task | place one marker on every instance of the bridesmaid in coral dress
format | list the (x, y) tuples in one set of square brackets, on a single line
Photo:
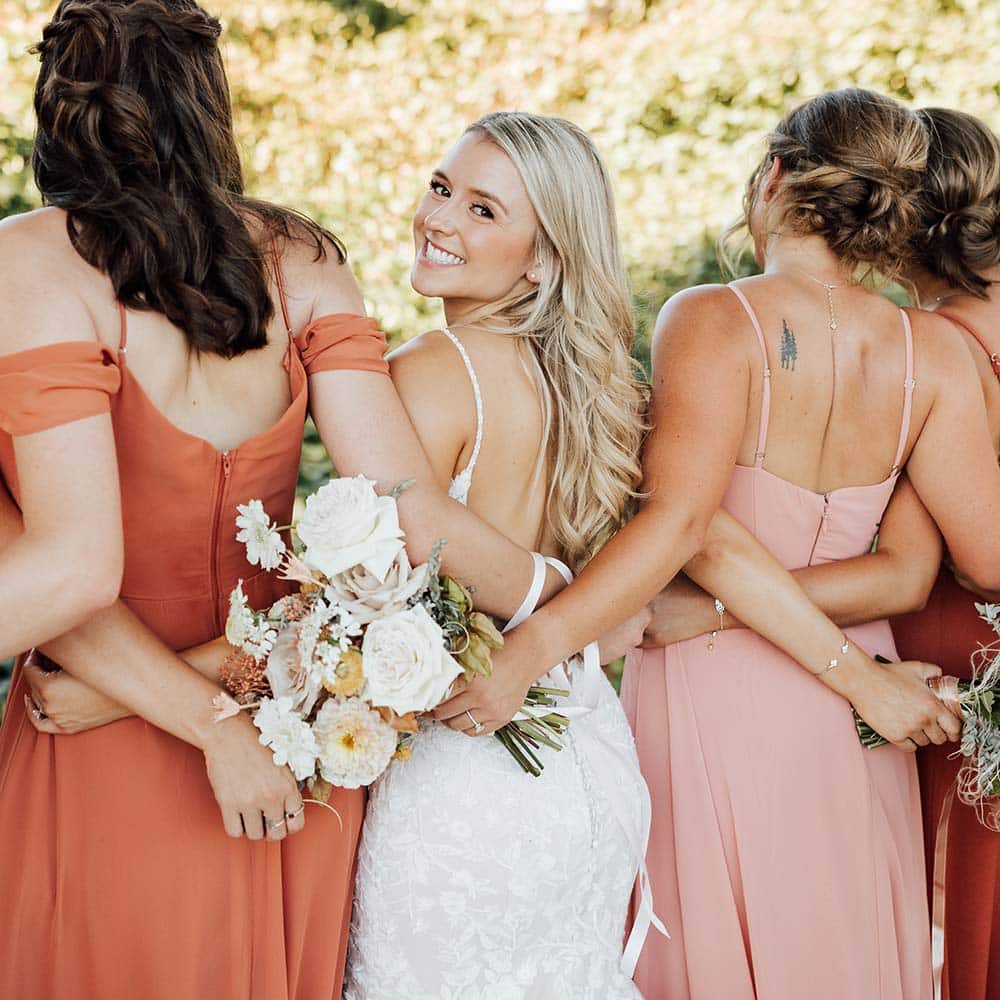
[(158, 358)]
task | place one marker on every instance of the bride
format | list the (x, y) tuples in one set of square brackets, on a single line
[(474, 878)]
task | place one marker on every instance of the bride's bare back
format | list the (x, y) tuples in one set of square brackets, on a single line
[(510, 483)]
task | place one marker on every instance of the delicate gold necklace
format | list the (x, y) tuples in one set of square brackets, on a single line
[(829, 295)]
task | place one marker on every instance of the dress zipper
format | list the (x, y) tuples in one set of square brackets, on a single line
[(225, 469), (819, 530)]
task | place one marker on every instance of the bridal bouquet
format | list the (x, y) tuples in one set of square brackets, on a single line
[(337, 673), (978, 700)]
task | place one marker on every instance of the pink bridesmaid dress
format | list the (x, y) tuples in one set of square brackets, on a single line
[(786, 860)]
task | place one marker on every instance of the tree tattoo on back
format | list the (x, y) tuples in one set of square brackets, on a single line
[(789, 349)]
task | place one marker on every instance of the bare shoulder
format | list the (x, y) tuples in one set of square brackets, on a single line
[(316, 284), (939, 348), (431, 356), (702, 320), (44, 284)]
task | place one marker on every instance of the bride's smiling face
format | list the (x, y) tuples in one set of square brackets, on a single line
[(474, 230)]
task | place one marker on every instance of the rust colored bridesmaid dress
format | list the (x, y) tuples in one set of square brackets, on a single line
[(117, 880), (963, 857)]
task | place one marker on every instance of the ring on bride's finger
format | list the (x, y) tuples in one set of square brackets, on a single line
[(297, 812), (273, 824), (477, 726)]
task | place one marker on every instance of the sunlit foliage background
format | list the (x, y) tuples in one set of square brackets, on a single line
[(343, 106)]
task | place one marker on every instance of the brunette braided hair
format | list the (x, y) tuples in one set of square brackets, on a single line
[(959, 232), (135, 141), (853, 162)]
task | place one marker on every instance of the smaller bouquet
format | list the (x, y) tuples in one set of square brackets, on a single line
[(978, 701), (337, 673)]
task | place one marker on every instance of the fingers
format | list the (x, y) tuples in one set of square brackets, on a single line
[(927, 671), (458, 686), (935, 734), (951, 725), (276, 826), (907, 746), (233, 822), (36, 678), (40, 720), (455, 707), (253, 824), (295, 813), (920, 738)]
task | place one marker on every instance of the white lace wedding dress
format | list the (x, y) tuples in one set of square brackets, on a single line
[(477, 881)]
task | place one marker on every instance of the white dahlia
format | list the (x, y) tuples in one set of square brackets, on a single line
[(354, 743)]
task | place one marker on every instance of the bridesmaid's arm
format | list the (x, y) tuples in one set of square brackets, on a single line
[(67, 562), (366, 431), (390, 452), (69, 705), (953, 464), (896, 579), (698, 410), (119, 667)]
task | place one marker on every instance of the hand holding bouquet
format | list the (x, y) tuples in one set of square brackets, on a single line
[(337, 673), (978, 702)]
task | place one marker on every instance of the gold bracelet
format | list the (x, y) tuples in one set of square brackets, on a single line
[(835, 662)]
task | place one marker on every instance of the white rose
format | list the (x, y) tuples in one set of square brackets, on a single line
[(347, 524), (406, 665), (366, 597)]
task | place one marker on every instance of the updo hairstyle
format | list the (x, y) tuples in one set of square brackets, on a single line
[(958, 234), (853, 162)]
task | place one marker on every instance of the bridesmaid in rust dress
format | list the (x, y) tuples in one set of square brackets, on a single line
[(163, 338), (957, 266)]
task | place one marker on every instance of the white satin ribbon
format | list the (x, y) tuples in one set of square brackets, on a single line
[(583, 678)]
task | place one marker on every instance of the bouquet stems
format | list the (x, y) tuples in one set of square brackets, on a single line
[(522, 737)]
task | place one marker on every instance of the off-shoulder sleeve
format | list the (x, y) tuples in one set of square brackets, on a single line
[(56, 384), (343, 342)]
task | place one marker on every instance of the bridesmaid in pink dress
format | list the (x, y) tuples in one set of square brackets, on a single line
[(786, 859), (953, 264)]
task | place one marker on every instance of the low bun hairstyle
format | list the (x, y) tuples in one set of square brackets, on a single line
[(853, 163), (958, 235), (135, 142)]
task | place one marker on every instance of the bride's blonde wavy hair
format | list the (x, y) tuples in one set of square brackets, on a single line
[(577, 327)]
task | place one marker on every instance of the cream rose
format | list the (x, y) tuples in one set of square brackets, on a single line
[(366, 597), (288, 675), (347, 524), (407, 667)]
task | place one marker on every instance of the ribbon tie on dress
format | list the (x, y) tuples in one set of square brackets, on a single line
[(582, 676)]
